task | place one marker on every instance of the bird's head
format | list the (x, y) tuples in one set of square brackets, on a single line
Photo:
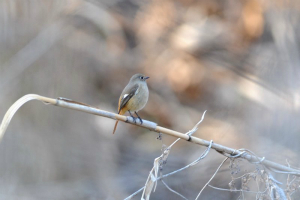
[(139, 78)]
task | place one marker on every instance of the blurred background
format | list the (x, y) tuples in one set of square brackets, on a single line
[(239, 60)]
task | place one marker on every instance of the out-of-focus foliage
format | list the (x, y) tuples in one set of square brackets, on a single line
[(237, 59)]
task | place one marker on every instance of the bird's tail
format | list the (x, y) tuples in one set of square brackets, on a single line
[(121, 112), (116, 124)]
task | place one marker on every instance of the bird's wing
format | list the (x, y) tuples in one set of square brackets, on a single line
[(124, 98)]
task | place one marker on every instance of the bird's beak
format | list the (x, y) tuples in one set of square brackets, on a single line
[(146, 77)]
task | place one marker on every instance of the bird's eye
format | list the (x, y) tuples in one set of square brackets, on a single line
[(141, 77)]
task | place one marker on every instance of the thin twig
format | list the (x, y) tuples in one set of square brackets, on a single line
[(230, 190), (211, 178), (173, 190), (135, 193), (204, 154)]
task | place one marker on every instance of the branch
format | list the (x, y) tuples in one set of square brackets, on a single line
[(67, 103)]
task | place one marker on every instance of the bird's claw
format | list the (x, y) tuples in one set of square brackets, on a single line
[(140, 120), (134, 119)]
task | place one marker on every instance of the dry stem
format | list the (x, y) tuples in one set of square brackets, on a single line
[(67, 103)]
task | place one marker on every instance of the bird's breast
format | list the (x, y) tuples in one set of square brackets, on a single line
[(139, 100)]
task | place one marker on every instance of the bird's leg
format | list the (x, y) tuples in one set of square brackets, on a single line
[(139, 117), (134, 118)]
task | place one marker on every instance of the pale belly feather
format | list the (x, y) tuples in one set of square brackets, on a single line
[(138, 101)]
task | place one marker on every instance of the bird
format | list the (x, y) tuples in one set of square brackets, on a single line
[(134, 97)]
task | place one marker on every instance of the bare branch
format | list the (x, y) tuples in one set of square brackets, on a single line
[(66, 103)]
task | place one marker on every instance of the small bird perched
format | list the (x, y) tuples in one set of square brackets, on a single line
[(134, 97)]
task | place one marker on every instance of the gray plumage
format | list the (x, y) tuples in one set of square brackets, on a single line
[(134, 96)]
